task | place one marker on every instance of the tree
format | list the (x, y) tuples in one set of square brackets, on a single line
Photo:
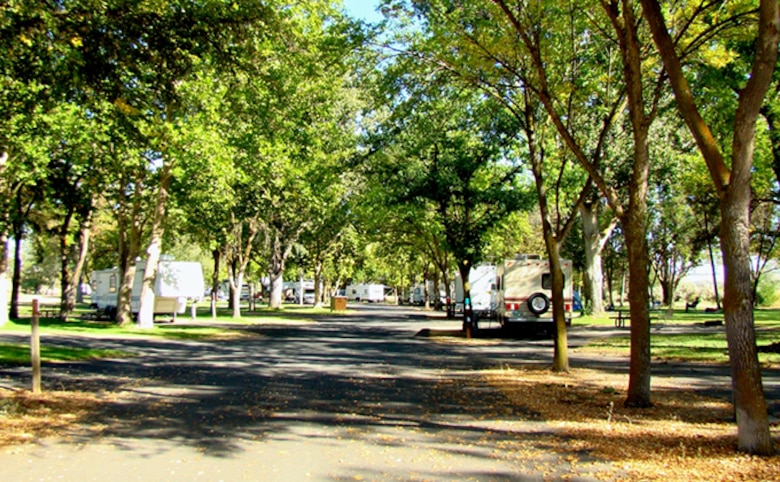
[(444, 146), (733, 184)]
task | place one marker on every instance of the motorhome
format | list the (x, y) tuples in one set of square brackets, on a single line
[(373, 293), (482, 282), (292, 291), (524, 292), (176, 283), (417, 294)]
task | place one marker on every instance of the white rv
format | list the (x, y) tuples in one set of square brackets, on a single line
[(292, 291), (373, 293), (523, 291), (417, 294), (176, 282), (482, 281)]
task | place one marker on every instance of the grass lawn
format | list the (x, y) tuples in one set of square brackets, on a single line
[(203, 327), (19, 354), (707, 346)]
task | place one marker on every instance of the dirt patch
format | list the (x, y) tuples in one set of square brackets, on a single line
[(684, 437)]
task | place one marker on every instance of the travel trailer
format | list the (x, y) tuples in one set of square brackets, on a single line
[(482, 281), (417, 294), (373, 293), (292, 291), (176, 282), (523, 292)]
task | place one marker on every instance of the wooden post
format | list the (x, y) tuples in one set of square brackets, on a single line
[(35, 349)]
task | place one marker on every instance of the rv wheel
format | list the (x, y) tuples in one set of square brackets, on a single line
[(538, 303)]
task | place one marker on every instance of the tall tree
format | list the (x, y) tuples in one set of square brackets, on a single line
[(444, 146), (732, 181)]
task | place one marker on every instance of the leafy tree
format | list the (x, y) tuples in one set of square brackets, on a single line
[(450, 149), (732, 182), (675, 237)]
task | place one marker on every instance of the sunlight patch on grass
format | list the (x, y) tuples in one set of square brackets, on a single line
[(702, 347), (19, 354)]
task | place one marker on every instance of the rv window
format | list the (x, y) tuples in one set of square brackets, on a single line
[(547, 281), (112, 283)]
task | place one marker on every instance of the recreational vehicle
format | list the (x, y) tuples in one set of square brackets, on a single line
[(292, 291), (176, 282), (373, 293), (417, 294), (482, 281), (524, 292)]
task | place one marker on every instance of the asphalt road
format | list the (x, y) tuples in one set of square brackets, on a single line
[(359, 397)]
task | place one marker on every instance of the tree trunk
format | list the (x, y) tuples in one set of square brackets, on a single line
[(278, 259), (639, 394), (318, 284), (748, 391), (733, 186), (129, 250), (69, 301), (216, 256), (16, 280), (66, 286), (594, 240), (470, 324), (561, 342), (667, 292), (154, 251), (4, 317)]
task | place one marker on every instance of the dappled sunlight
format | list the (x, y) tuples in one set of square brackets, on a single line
[(684, 436)]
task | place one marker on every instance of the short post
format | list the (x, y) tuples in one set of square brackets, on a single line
[(193, 310), (35, 349)]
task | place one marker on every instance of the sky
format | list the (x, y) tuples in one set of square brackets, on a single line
[(363, 9)]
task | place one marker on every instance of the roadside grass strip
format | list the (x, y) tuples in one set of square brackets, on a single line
[(19, 354)]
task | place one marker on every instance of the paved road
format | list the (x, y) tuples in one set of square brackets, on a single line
[(344, 398)]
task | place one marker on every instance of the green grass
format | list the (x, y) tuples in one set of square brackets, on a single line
[(291, 314), (767, 318), (19, 354), (702, 347)]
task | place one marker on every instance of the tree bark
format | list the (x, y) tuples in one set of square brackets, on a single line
[(595, 240), (635, 217), (82, 245), (318, 266), (130, 223), (16, 276), (4, 317), (733, 187), (279, 254), (65, 261), (154, 251)]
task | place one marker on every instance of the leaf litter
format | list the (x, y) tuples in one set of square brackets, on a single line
[(684, 437)]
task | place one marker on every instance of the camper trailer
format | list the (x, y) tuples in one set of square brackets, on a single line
[(482, 281), (176, 282), (417, 294), (292, 291), (373, 293), (524, 292)]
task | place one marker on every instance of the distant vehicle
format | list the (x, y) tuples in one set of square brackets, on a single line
[(292, 291), (417, 295), (482, 281), (524, 292), (176, 282), (373, 293)]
